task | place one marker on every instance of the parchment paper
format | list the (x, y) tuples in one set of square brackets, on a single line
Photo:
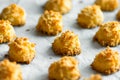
[(38, 68)]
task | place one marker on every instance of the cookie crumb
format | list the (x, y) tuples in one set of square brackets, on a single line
[(81, 1), (50, 57), (27, 29)]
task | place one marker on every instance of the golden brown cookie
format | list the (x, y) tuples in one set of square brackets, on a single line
[(10, 70), (107, 61), (107, 5), (21, 50), (90, 17), (67, 44), (64, 69), (94, 77), (7, 32), (50, 23), (108, 34), (15, 14), (62, 6), (118, 15)]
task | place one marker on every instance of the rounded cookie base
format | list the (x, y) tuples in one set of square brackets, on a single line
[(22, 62), (107, 72), (49, 33), (65, 52)]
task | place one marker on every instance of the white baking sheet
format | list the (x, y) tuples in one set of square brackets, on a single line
[(38, 68)]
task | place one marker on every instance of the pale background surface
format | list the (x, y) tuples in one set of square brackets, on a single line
[(38, 68)]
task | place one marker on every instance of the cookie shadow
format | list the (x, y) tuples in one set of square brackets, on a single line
[(87, 71), (42, 77), (77, 26), (3, 56), (34, 32), (95, 44), (51, 53)]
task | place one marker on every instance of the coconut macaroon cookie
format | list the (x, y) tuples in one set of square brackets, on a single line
[(62, 6), (67, 44), (108, 34), (50, 23), (64, 69), (107, 5), (15, 14), (21, 50), (90, 17), (107, 61), (95, 77), (10, 70), (118, 15), (7, 32)]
